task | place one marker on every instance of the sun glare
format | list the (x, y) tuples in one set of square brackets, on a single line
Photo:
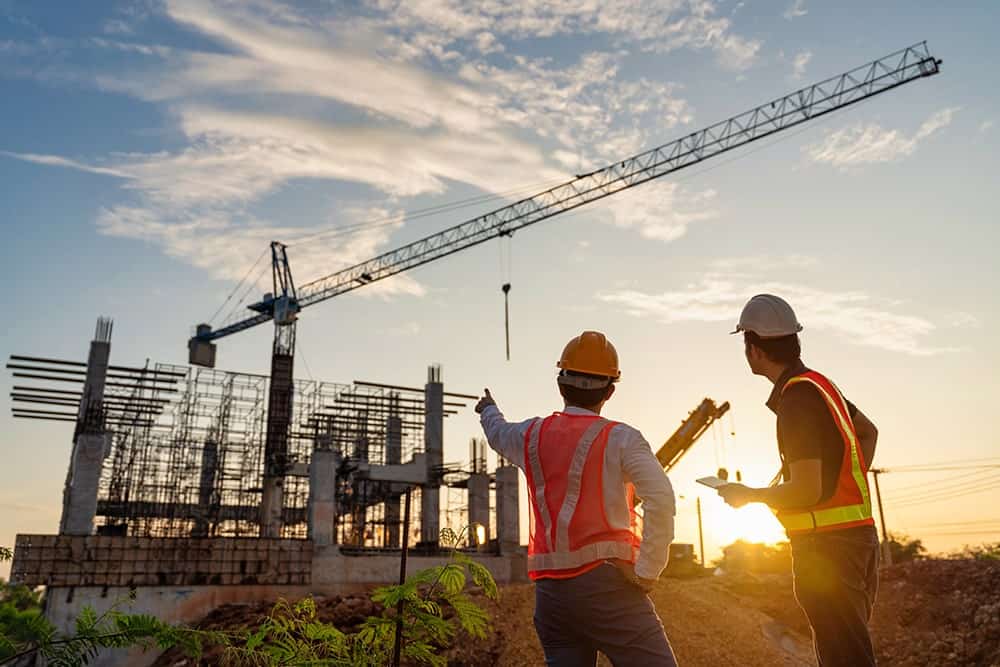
[(753, 523)]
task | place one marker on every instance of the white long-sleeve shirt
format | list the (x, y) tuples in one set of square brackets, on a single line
[(627, 458)]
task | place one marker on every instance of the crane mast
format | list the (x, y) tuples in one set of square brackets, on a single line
[(283, 304)]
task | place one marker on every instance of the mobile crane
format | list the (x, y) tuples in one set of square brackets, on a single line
[(283, 304)]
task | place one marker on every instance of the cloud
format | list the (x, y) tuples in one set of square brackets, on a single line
[(795, 10), (986, 126), (855, 316), (661, 211), (764, 263), (866, 144), (402, 99), (661, 26), (799, 63), (57, 161), (224, 248)]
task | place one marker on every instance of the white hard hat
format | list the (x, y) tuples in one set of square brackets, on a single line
[(768, 316)]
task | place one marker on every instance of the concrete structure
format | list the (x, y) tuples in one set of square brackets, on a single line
[(91, 443), (479, 505), (508, 512), (322, 496), (80, 495), (430, 496), (182, 580)]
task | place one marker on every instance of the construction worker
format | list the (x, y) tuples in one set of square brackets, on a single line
[(591, 567), (826, 445)]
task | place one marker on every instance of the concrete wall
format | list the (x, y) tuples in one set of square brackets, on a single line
[(332, 574)]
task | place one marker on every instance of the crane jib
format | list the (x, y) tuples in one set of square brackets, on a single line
[(879, 76)]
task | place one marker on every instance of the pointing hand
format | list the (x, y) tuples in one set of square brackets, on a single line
[(484, 402)]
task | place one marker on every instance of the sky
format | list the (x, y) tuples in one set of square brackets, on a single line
[(150, 151)]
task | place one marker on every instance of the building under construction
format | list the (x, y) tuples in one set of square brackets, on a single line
[(165, 489)]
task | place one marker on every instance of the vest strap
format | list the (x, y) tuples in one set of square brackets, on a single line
[(536, 473), (565, 560), (796, 522)]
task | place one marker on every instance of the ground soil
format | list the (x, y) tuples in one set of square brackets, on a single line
[(934, 612)]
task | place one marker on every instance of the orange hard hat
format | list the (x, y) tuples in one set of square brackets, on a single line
[(591, 353)]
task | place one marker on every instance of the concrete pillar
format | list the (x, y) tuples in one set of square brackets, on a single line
[(508, 512), (91, 444), (279, 418), (479, 505), (322, 496), (84, 478), (430, 496), (393, 456), (206, 487)]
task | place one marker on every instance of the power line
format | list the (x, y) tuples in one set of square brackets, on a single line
[(993, 483), (923, 485), (970, 479), (940, 468), (417, 214)]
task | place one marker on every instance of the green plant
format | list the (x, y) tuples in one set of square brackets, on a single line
[(93, 632), (434, 602), (903, 549), (6, 554), (981, 552)]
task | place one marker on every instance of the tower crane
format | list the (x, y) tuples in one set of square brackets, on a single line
[(284, 303)]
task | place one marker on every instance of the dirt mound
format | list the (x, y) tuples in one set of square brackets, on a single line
[(345, 612), (939, 612), (929, 612), (933, 612)]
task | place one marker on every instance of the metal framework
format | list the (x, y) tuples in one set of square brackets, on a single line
[(187, 443), (874, 78)]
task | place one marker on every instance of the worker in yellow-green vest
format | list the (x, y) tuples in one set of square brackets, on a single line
[(591, 564), (826, 445)]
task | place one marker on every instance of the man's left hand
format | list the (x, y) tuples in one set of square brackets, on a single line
[(737, 495)]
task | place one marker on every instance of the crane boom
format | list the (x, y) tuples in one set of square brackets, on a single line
[(689, 431), (819, 99)]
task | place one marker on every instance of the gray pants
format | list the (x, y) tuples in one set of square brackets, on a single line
[(599, 611), (836, 581)]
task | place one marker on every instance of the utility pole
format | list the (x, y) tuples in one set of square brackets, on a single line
[(886, 549), (701, 538)]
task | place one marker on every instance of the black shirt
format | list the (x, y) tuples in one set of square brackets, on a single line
[(806, 429)]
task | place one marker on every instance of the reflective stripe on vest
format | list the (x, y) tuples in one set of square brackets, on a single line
[(827, 517), (551, 547)]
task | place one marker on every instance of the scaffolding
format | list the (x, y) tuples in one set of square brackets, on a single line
[(185, 458)]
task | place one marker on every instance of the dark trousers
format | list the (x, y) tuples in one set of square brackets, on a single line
[(836, 581), (601, 611)]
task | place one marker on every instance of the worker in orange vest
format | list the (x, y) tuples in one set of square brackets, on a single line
[(591, 564), (826, 445)]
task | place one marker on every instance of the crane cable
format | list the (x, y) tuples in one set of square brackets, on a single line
[(238, 285), (505, 271)]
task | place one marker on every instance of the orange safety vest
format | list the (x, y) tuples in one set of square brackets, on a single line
[(570, 533), (850, 505)]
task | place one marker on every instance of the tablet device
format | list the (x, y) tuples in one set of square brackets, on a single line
[(712, 482)]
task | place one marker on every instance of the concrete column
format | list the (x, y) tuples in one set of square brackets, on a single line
[(479, 505), (322, 496), (430, 496), (279, 418), (84, 478), (508, 512), (86, 459), (393, 456), (206, 487)]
